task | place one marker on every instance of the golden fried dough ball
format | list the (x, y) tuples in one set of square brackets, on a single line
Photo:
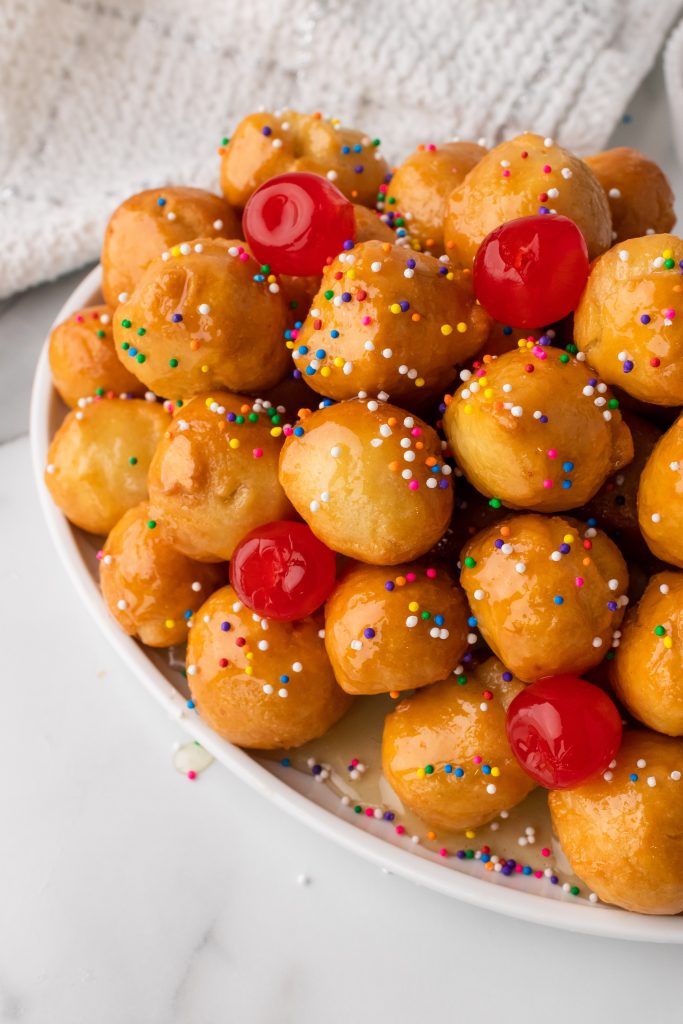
[(83, 361), (148, 223), (548, 593), (391, 630), (623, 835), (640, 197), (525, 176), (629, 322), (647, 672), (369, 480), (214, 476), (150, 588), (421, 185), (97, 461), (259, 682), (203, 316), (389, 319), (446, 754), (265, 145), (535, 429), (660, 497)]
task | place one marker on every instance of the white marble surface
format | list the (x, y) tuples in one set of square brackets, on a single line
[(130, 896)]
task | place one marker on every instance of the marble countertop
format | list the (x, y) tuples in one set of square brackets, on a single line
[(132, 896)]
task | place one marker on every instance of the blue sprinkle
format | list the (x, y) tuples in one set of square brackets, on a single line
[(448, 768), (567, 466), (472, 622), (459, 772), (285, 762), (298, 431), (334, 334), (558, 600), (191, 704), (439, 620), (161, 201), (633, 777)]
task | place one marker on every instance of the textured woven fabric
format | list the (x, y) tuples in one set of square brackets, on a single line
[(102, 99)]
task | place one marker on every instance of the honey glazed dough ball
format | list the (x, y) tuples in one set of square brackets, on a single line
[(647, 671), (623, 832), (214, 476), (660, 497), (388, 319), (259, 682), (97, 461), (548, 594), (146, 224), (369, 480), (83, 361), (387, 631), (421, 185), (266, 144), (640, 198), (535, 429), (204, 316), (446, 754), (629, 322), (150, 588)]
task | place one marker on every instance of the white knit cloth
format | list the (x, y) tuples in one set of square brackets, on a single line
[(101, 99)]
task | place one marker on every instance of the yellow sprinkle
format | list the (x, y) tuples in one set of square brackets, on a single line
[(234, 443), (521, 343), (325, 371), (470, 833), (275, 431), (668, 642), (338, 361), (420, 773), (209, 402), (351, 274), (667, 254), (175, 251), (488, 393), (495, 772), (446, 329), (449, 275), (568, 538), (395, 308), (289, 344), (419, 382), (468, 409), (462, 327), (205, 368), (250, 656), (271, 278), (249, 670), (169, 623), (483, 381), (413, 606)]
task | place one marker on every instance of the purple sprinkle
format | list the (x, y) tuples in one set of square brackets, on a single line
[(565, 549), (225, 626), (628, 366), (506, 870), (348, 244), (466, 658), (359, 168), (593, 381), (176, 318), (411, 264), (346, 296), (231, 417), (612, 605), (544, 419), (554, 879), (545, 339), (543, 209), (498, 543), (389, 815), (368, 633), (316, 769), (267, 131), (296, 374), (388, 585), (460, 854), (644, 319), (405, 306), (443, 270), (507, 676), (443, 484)]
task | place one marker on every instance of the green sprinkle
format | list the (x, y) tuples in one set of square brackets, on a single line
[(101, 333), (495, 503), (469, 854), (253, 417), (564, 358), (173, 363), (99, 391), (425, 615), (659, 630), (126, 323), (239, 419), (613, 403), (151, 523), (125, 345), (669, 264), (265, 269), (329, 294), (225, 141), (276, 420), (358, 808), (470, 562), (461, 680), (376, 142), (142, 330), (392, 200), (133, 460), (574, 890), (140, 357), (429, 769)]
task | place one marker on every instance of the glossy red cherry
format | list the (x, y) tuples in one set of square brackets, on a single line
[(295, 222), (531, 271), (563, 731), (282, 570)]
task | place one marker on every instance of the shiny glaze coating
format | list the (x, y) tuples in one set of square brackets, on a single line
[(376, 637), (97, 461), (638, 191), (235, 667), (149, 586), (228, 327), (444, 724), (660, 497), (512, 574), (358, 473), (624, 837), (647, 672), (536, 430), (146, 224), (389, 319), (213, 479), (265, 144), (629, 322), (83, 359), (548, 178), (421, 185)]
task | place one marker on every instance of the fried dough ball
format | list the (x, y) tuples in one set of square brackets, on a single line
[(627, 323), (548, 593), (150, 588), (640, 197), (97, 461), (623, 835), (265, 145), (202, 318), (660, 508), (146, 224), (389, 319), (214, 476), (525, 176), (394, 630), (83, 361), (448, 760), (536, 430), (259, 682), (369, 480)]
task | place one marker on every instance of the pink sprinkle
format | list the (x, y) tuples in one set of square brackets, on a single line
[(481, 372), (518, 868), (443, 852), (383, 188), (547, 484), (413, 485), (538, 874), (191, 775), (100, 553), (506, 173), (547, 169), (354, 762), (79, 319), (257, 453), (244, 256), (477, 759), (552, 453), (366, 320), (545, 852), (431, 574), (369, 812), (579, 581), (416, 431), (539, 352), (287, 431), (670, 313), (295, 334), (411, 577), (399, 830), (431, 147)]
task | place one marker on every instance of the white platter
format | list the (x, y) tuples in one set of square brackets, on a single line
[(295, 792)]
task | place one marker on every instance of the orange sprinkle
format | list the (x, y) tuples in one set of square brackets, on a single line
[(222, 425), (244, 409), (416, 318), (394, 694), (419, 445), (393, 466), (431, 461), (586, 561), (392, 421), (386, 246), (447, 399), (194, 345), (505, 531), (354, 193), (450, 245), (431, 835), (400, 581)]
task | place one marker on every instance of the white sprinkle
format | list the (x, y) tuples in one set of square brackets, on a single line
[(597, 641), (282, 692), (199, 247), (593, 897), (123, 296), (613, 584), (614, 193), (385, 430), (409, 456), (656, 517), (314, 506), (623, 255), (185, 249), (491, 788), (263, 645), (608, 776), (658, 262), (566, 173), (387, 353), (297, 666), (192, 670), (204, 308), (517, 411), (335, 452), (507, 388), (347, 368), (277, 143), (676, 776), (355, 645), (331, 175), (325, 496), (121, 605), (268, 689), (218, 224), (375, 266), (376, 442), (547, 141), (651, 781), (170, 215), (50, 468), (506, 549), (412, 621), (520, 567), (553, 193), (478, 595), (641, 763), (675, 466)]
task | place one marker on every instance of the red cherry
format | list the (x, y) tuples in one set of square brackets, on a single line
[(296, 222), (563, 731), (282, 570), (530, 272)]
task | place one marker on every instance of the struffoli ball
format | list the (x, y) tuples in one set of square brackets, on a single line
[(639, 194), (369, 479), (259, 682), (660, 497)]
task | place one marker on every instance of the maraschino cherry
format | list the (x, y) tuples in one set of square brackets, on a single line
[(296, 222), (563, 731), (531, 271), (282, 570)]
